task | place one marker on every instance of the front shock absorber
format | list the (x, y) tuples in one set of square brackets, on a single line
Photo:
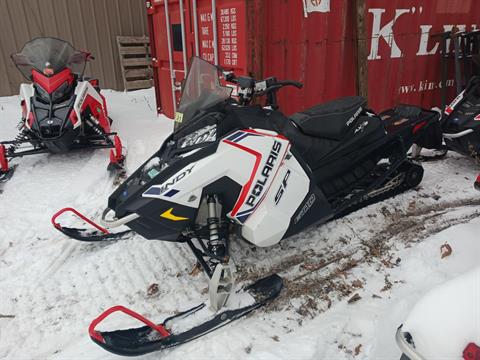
[(216, 242), (93, 124), (21, 136)]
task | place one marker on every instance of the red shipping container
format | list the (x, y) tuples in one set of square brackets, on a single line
[(312, 41)]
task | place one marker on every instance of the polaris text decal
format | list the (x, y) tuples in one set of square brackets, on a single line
[(266, 172)]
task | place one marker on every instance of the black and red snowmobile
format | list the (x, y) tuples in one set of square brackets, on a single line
[(61, 109), (234, 167), (461, 123), (459, 126)]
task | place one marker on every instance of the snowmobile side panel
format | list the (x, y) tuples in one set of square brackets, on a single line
[(87, 96), (314, 208), (26, 93), (152, 337), (270, 219)]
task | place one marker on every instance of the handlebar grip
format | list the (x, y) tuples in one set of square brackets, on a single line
[(297, 84)]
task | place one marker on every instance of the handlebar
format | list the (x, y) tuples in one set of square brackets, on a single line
[(248, 88), (297, 84), (278, 85), (260, 85)]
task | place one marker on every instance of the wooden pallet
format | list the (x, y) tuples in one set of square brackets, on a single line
[(134, 52)]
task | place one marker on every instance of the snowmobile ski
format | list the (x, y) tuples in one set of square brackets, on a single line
[(87, 235), (152, 337), (7, 175), (116, 167)]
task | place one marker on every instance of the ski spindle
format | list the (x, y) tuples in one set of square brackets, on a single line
[(3, 159)]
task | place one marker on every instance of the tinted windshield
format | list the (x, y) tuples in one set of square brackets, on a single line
[(49, 56), (202, 90)]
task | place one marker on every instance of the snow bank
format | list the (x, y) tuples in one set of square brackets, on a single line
[(447, 319)]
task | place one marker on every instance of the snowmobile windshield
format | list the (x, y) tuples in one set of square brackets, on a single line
[(202, 90), (49, 56)]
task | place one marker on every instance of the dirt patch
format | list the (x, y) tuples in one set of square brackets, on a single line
[(321, 279)]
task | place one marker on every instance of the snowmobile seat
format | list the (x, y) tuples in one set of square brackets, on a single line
[(330, 120)]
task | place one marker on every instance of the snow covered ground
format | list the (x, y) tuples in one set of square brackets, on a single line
[(349, 283)]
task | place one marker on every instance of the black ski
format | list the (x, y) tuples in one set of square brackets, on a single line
[(7, 175), (98, 235), (92, 235), (152, 337)]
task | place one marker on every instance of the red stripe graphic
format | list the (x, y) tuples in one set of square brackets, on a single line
[(280, 136), (246, 187)]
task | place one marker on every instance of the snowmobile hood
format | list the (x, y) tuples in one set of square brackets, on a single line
[(159, 218)]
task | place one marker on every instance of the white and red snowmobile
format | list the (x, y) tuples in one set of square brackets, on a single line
[(233, 167), (445, 323), (61, 109)]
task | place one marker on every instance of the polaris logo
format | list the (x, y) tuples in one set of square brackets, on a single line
[(282, 188), (266, 171), (354, 116)]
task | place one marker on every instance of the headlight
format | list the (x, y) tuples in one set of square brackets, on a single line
[(42, 93), (61, 91), (203, 135)]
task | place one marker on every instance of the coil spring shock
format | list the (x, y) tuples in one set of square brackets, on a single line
[(216, 242), (94, 126), (18, 141)]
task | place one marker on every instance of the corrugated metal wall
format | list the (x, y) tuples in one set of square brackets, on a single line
[(88, 24)]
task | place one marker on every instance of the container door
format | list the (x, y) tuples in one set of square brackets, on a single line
[(169, 32), (219, 37)]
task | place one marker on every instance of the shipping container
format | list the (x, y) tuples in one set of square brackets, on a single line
[(322, 43)]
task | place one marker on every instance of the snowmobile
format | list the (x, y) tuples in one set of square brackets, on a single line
[(61, 109), (459, 126), (461, 123), (231, 166), (427, 331)]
